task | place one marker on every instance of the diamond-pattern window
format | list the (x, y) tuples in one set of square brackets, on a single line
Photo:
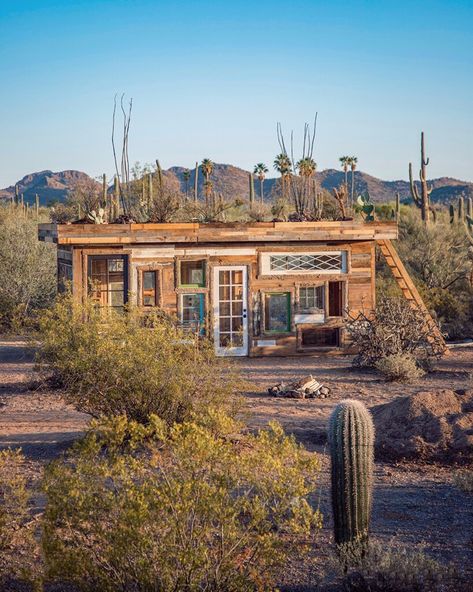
[(313, 262)]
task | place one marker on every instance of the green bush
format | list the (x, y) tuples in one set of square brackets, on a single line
[(18, 548), (126, 364), (399, 368), (27, 269), (190, 507), (396, 569)]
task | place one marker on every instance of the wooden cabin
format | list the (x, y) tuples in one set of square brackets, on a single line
[(258, 289)]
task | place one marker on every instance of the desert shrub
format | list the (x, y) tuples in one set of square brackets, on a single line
[(18, 549), (396, 569), (399, 368), (436, 257), (394, 328), (464, 480), (164, 508), (112, 364), (27, 269)]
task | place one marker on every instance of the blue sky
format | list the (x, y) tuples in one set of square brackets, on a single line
[(211, 79)]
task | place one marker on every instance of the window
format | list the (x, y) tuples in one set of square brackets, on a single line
[(302, 263), (192, 273), (277, 312), (192, 312), (64, 275), (149, 288), (108, 280), (320, 338), (311, 299), (335, 299)]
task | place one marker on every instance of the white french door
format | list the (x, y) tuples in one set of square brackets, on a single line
[(230, 310)]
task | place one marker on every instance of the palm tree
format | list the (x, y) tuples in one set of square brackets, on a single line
[(345, 162), (306, 167), (207, 167), (352, 162), (187, 175), (260, 171), (282, 164)]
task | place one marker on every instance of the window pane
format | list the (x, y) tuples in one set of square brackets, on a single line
[(149, 280), (192, 310), (311, 297), (107, 280), (224, 278), (115, 265), (332, 261), (192, 273), (277, 312)]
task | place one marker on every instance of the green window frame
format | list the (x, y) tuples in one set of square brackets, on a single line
[(269, 314), (189, 272)]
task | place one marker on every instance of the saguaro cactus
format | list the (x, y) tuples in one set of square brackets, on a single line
[(351, 441), (461, 209), (422, 199)]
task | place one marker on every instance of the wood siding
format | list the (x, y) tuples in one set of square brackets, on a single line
[(358, 284)]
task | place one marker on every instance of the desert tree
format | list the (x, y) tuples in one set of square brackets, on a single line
[(345, 162), (282, 164), (260, 171), (207, 167), (301, 186), (186, 176), (353, 162)]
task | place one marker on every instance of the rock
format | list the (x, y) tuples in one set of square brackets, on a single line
[(324, 390)]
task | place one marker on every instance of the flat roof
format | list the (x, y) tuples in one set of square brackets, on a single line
[(197, 233)]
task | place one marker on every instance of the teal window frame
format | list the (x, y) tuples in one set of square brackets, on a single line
[(201, 319), (288, 309)]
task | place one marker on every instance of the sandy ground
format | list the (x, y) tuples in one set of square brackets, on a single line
[(414, 505)]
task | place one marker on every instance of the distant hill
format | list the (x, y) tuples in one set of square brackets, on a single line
[(48, 185), (233, 182)]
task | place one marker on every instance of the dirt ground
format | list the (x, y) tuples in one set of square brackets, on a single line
[(414, 505)]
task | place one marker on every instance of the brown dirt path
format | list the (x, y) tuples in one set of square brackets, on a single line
[(37, 421), (413, 504)]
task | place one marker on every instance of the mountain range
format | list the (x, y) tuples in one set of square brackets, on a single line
[(233, 182)]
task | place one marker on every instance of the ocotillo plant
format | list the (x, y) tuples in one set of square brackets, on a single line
[(116, 208), (422, 199), (469, 207), (252, 188), (196, 182), (351, 441)]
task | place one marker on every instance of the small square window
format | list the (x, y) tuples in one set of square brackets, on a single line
[(192, 273), (311, 299), (149, 288), (277, 309)]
